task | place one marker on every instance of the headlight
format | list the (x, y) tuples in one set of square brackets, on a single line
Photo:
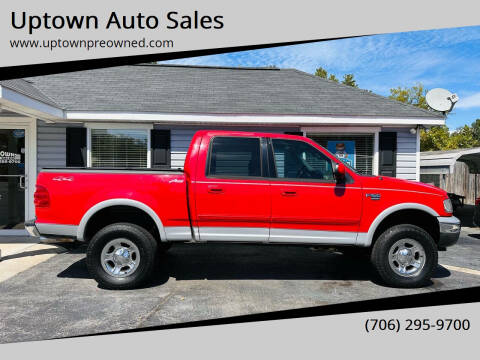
[(447, 205)]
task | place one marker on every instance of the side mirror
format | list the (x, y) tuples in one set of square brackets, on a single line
[(340, 172)]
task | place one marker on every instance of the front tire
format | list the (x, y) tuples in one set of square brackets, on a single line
[(405, 256), (121, 256)]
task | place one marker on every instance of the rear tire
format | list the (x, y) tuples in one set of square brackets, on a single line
[(405, 256), (121, 256)]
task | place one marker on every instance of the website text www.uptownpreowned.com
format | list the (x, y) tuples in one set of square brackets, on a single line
[(55, 44)]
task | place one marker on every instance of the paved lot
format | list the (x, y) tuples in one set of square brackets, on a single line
[(22, 253), (194, 282)]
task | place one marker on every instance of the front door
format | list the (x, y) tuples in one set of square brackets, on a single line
[(12, 178), (308, 206)]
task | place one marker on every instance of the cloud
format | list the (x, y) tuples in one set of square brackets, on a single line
[(378, 62), (445, 58), (472, 101), (346, 54)]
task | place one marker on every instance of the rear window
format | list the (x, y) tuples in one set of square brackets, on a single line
[(234, 157)]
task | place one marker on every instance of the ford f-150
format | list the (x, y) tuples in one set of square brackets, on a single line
[(244, 187)]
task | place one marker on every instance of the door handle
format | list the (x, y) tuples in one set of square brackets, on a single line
[(22, 182), (289, 193), (215, 190)]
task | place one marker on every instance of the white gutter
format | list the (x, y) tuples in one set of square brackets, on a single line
[(112, 116)]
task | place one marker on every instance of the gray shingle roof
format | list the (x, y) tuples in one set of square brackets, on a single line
[(222, 90), (26, 88)]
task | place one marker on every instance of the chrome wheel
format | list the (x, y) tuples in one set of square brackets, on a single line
[(120, 257), (407, 257)]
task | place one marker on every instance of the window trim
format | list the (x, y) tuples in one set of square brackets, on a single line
[(110, 126), (235, 177), (279, 179)]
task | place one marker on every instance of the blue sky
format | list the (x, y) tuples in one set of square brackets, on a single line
[(447, 58)]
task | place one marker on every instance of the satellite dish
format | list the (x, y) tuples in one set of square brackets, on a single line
[(441, 99)]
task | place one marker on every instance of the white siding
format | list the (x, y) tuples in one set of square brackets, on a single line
[(406, 153), (51, 145), (180, 141)]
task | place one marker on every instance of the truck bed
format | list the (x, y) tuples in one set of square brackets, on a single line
[(71, 192)]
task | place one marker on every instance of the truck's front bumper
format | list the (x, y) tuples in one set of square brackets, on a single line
[(449, 231)]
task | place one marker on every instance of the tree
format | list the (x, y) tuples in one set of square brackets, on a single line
[(321, 72), (413, 96), (462, 138), (476, 129), (333, 78), (440, 138), (435, 138), (348, 79)]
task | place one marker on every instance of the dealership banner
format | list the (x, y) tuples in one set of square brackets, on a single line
[(36, 32)]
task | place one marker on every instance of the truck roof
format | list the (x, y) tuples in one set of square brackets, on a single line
[(248, 133)]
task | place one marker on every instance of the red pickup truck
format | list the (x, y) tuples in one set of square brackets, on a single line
[(244, 187)]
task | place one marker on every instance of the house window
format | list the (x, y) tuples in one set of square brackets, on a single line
[(121, 148), (362, 144)]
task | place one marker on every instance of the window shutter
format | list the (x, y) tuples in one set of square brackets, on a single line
[(388, 153), (160, 143), (76, 146)]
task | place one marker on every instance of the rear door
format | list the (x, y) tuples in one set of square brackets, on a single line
[(232, 197), (308, 206)]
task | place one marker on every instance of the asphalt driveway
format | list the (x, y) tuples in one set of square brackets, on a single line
[(58, 298)]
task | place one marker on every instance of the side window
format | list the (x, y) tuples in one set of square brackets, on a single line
[(299, 160), (234, 156)]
